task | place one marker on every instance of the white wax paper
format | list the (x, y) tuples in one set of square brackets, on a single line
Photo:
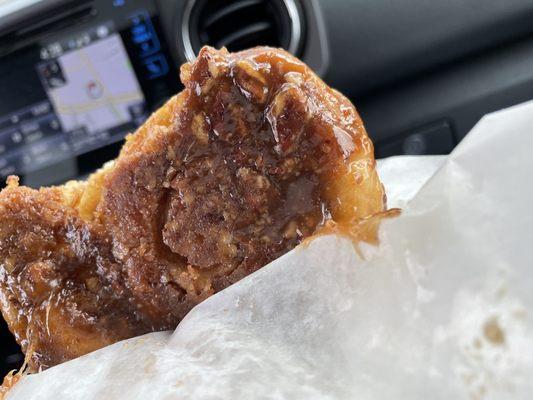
[(442, 309)]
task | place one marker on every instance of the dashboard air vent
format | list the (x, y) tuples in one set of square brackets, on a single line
[(240, 24)]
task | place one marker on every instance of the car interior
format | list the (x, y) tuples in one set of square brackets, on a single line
[(76, 76)]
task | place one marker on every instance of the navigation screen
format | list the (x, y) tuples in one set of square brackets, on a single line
[(93, 88), (63, 98)]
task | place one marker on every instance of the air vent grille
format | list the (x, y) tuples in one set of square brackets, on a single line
[(240, 24)]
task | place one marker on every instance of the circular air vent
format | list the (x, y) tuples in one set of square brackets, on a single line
[(240, 24)]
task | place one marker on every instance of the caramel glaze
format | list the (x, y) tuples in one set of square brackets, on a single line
[(9, 381), (358, 230), (254, 156)]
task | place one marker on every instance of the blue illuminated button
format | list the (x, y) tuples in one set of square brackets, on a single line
[(140, 34), (143, 34), (156, 66)]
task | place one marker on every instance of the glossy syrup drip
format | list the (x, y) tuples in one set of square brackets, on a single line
[(361, 230)]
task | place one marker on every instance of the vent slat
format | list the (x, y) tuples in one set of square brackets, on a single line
[(243, 32), (228, 10)]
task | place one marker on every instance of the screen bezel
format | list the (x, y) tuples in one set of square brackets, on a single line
[(155, 91)]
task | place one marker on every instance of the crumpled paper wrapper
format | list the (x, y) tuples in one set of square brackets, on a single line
[(442, 309)]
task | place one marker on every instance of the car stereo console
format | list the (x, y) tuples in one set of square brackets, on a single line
[(76, 76)]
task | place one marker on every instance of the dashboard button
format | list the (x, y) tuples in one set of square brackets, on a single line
[(435, 138), (156, 66)]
